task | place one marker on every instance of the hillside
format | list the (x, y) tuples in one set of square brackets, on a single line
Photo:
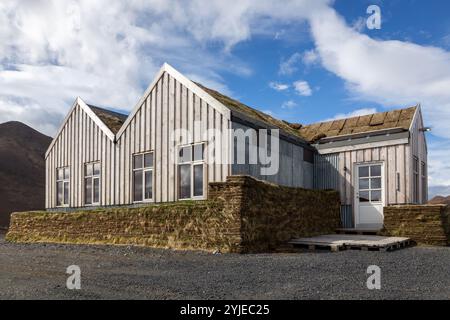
[(22, 169), (440, 200)]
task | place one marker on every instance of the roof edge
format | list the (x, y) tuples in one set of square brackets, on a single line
[(184, 81), (79, 102)]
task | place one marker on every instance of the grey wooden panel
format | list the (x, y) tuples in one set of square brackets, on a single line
[(390, 175), (165, 109), (165, 139), (170, 141), (326, 171), (288, 166)]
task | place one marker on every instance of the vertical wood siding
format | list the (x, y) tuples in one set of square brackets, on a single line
[(395, 159), (326, 172), (169, 106), (418, 148), (81, 141), (293, 171)]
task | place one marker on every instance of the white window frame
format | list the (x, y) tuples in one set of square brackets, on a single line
[(92, 176), (65, 180), (356, 202), (144, 171), (193, 163)]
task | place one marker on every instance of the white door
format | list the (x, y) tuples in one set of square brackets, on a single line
[(369, 196)]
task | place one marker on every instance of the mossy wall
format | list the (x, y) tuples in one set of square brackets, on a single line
[(240, 215), (425, 224), (183, 225), (272, 214)]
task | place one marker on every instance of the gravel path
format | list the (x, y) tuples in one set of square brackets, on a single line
[(37, 271)]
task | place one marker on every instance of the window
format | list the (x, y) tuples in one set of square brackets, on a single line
[(191, 162), (62, 186), (370, 187), (415, 179), (424, 182), (92, 183), (143, 177)]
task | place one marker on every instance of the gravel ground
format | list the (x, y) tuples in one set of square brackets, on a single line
[(37, 271)]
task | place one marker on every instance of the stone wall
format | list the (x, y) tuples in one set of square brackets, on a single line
[(425, 224), (183, 225), (240, 215), (272, 214)]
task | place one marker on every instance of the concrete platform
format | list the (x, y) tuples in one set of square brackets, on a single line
[(337, 242)]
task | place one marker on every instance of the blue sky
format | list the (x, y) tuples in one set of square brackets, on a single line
[(300, 60), (421, 22)]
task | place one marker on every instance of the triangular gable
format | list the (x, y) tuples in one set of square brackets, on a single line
[(190, 85), (418, 116), (91, 114)]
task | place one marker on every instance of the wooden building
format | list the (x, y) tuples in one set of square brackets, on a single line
[(374, 161), (182, 135), (178, 138)]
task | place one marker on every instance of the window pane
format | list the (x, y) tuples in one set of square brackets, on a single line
[(198, 180), (198, 152), (148, 184), (148, 160), (66, 173), (60, 173), (363, 184), (88, 170), (375, 183), (60, 193), (137, 178), (137, 164), (184, 181), (364, 196), (375, 171), (376, 195), (363, 171), (185, 154), (66, 193), (96, 190), (88, 191), (96, 169)]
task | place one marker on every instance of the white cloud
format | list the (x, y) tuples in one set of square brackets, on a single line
[(107, 51), (391, 73), (302, 88), (290, 65), (278, 86), (388, 72), (359, 24), (310, 57), (355, 113), (290, 104)]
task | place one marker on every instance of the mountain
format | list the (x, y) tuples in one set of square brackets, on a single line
[(22, 169), (440, 200)]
